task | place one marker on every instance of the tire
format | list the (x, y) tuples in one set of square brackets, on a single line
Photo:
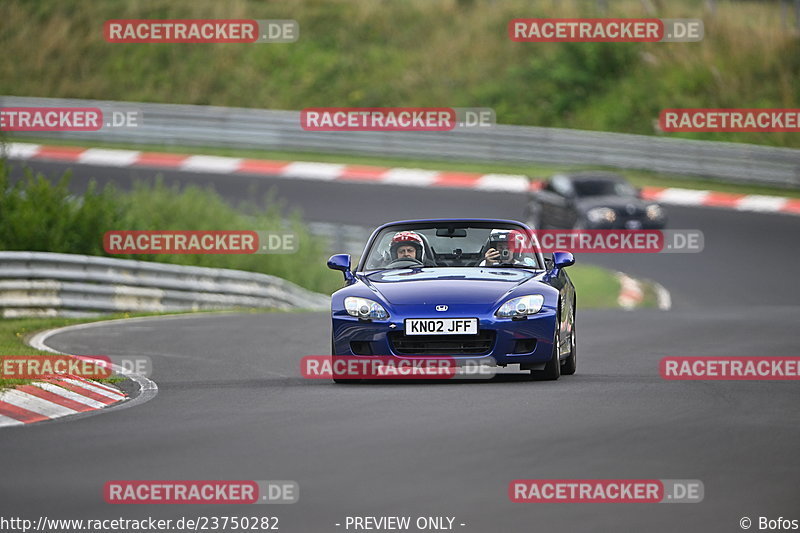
[(552, 370), (341, 381), (571, 363)]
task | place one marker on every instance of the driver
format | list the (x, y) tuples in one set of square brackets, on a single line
[(499, 249), (406, 245)]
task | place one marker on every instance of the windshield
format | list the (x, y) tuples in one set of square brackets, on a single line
[(602, 188), (448, 245)]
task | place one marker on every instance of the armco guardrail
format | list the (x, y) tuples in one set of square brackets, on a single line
[(50, 284), (342, 238), (280, 130)]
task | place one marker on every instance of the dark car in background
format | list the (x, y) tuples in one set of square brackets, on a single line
[(592, 200)]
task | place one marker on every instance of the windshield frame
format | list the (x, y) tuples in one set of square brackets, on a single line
[(413, 225), (614, 183)]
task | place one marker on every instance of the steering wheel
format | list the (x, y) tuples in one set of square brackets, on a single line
[(398, 263)]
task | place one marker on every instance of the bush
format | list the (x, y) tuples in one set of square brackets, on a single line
[(416, 53), (38, 215)]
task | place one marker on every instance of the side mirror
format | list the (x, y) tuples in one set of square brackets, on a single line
[(563, 259), (341, 262)]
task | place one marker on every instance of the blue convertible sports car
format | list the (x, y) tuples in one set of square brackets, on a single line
[(459, 288)]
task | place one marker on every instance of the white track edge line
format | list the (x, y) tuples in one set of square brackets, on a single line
[(148, 389)]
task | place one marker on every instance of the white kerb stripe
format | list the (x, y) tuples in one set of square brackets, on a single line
[(21, 150), (37, 405), (68, 394), (755, 202), (211, 163), (106, 387), (8, 421), (97, 390), (682, 196), (410, 177), (313, 171), (503, 182), (114, 158)]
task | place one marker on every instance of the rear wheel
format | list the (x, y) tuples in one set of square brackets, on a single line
[(571, 362)]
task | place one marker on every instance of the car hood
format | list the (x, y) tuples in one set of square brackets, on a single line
[(447, 285)]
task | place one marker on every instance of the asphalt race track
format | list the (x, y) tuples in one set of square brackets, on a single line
[(232, 403)]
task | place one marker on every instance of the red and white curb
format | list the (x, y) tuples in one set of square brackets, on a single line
[(54, 398), (631, 293), (739, 202), (410, 177), (62, 396)]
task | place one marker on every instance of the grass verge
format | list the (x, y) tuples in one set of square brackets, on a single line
[(15, 332), (595, 287)]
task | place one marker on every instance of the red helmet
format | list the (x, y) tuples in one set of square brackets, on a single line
[(406, 238)]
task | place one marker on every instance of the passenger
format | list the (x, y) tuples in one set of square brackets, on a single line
[(499, 249)]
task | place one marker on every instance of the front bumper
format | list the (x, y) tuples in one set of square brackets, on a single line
[(504, 341)]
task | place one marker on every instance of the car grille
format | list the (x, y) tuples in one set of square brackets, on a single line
[(623, 214), (479, 344)]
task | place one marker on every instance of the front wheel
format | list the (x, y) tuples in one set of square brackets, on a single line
[(571, 362), (552, 370)]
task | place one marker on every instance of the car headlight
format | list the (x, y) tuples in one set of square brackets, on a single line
[(654, 212), (522, 306), (363, 308), (601, 214)]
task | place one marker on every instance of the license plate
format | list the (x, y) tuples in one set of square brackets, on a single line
[(441, 326)]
